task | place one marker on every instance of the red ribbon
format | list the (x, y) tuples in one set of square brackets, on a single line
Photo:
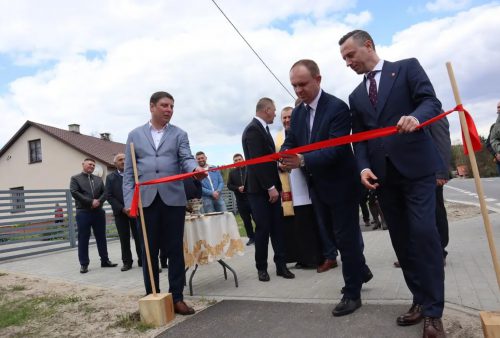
[(358, 137)]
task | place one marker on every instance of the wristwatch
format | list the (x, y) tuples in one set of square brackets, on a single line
[(301, 158)]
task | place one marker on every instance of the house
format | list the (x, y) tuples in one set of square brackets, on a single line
[(44, 157)]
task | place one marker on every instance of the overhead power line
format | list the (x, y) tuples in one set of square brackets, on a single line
[(253, 50)]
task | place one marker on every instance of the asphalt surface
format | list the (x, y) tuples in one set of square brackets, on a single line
[(464, 191), (236, 318)]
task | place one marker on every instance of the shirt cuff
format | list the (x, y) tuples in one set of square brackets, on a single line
[(271, 188), (362, 171)]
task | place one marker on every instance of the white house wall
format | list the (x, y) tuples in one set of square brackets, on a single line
[(59, 163)]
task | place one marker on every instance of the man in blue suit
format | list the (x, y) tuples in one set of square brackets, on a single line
[(211, 187), (161, 149), (330, 174), (401, 167)]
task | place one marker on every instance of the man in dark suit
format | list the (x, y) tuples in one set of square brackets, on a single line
[(88, 191), (124, 224), (236, 183), (333, 186), (263, 187), (402, 167), (161, 149)]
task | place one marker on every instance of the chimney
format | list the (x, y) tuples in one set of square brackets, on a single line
[(105, 136), (75, 128)]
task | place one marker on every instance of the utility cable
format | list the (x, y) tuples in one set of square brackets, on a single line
[(253, 50)]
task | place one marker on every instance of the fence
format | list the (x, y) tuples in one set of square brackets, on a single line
[(40, 221)]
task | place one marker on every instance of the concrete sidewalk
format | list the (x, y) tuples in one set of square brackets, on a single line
[(470, 280)]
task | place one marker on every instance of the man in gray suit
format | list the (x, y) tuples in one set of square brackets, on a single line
[(161, 149)]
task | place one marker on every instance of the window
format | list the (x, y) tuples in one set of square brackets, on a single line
[(35, 148), (17, 199)]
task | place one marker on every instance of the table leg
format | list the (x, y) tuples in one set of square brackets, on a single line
[(185, 279), (191, 280), (225, 265)]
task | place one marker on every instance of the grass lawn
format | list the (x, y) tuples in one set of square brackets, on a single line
[(241, 228)]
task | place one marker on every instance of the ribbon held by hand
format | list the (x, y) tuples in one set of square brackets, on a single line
[(358, 137)]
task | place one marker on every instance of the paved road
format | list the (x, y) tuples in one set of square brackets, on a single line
[(464, 190)]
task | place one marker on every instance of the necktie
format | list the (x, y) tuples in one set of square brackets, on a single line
[(269, 134), (372, 89), (308, 122)]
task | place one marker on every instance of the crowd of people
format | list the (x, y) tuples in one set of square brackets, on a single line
[(306, 204)]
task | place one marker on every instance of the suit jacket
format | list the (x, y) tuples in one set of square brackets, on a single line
[(404, 89), (256, 142), (192, 188), (331, 172), (84, 193), (236, 179), (217, 182), (172, 157), (114, 192), (440, 132)]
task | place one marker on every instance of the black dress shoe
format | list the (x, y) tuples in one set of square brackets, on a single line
[(285, 273), (126, 267), (250, 242), (412, 317), (346, 306), (84, 268), (108, 264), (263, 276)]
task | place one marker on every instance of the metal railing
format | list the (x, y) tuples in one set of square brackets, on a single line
[(40, 221)]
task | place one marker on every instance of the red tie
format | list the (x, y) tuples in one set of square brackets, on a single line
[(372, 90)]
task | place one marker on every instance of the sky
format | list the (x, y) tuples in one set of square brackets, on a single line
[(97, 62)]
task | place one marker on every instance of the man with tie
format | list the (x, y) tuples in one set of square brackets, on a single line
[(88, 192), (124, 224), (330, 174), (263, 188), (161, 149), (401, 167)]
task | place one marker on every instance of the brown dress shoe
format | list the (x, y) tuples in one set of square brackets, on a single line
[(181, 308), (327, 265), (412, 317), (433, 328)]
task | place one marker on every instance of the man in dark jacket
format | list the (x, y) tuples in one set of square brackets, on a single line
[(124, 224), (89, 195), (236, 183)]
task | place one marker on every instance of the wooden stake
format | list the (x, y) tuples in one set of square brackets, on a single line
[(143, 224), (475, 172), (158, 308)]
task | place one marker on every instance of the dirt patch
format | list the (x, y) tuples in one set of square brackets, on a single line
[(458, 211), (59, 309), (459, 324)]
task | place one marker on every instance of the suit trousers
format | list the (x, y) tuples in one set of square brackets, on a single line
[(268, 222), (246, 215), (165, 230), (325, 228), (125, 226), (409, 207), (85, 220), (442, 220), (343, 220)]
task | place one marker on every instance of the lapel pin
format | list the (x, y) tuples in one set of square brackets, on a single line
[(393, 74)]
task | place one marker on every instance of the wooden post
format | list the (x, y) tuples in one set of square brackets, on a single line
[(157, 308), (489, 320)]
